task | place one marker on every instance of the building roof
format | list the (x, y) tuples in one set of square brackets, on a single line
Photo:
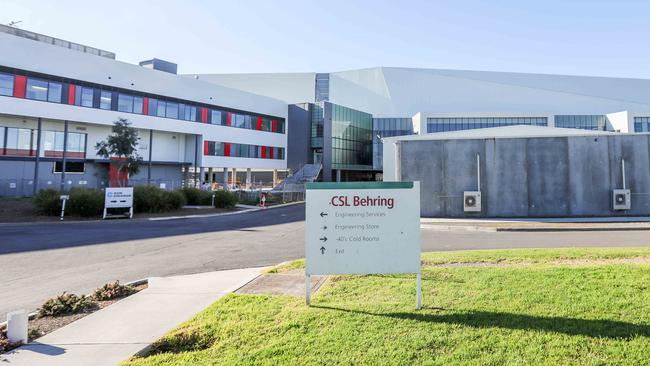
[(517, 131)]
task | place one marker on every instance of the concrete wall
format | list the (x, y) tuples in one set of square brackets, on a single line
[(529, 177)]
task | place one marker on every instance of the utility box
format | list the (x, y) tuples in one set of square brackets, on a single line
[(621, 199), (472, 201)]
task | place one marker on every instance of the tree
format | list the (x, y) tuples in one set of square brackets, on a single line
[(121, 148)]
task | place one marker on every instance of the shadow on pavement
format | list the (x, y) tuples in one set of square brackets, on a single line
[(24, 238)]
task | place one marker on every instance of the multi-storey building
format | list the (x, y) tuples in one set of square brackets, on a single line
[(58, 99)]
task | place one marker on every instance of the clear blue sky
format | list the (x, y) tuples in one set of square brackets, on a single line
[(608, 38)]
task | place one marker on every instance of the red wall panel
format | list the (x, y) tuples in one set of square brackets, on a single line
[(226, 149), (20, 86), (259, 123), (229, 119), (274, 125), (145, 106), (205, 147), (72, 89), (204, 115)]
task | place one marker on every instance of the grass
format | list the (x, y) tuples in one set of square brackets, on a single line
[(539, 313)]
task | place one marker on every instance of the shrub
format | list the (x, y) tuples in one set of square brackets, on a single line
[(195, 196), (224, 199), (147, 199), (154, 199), (47, 202), (172, 200), (5, 345), (65, 304), (85, 202), (112, 291)]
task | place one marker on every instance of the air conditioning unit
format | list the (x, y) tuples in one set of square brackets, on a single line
[(472, 201), (621, 199)]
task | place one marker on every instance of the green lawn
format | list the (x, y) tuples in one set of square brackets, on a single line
[(535, 311)]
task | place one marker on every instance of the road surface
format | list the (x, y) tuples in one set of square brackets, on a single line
[(38, 261)]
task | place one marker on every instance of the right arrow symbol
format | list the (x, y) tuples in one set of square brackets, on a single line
[(322, 250), (323, 239)]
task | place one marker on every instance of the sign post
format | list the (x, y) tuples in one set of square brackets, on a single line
[(121, 197), (64, 198), (363, 228)]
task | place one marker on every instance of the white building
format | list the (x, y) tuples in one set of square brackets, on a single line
[(183, 123)]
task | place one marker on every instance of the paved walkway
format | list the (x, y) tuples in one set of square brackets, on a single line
[(538, 224), (115, 333)]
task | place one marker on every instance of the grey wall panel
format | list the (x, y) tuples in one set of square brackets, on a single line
[(634, 149), (298, 136), (460, 173), (423, 161), (588, 176), (506, 191), (548, 189)]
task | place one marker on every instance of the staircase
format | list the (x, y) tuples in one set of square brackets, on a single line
[(306, 174)]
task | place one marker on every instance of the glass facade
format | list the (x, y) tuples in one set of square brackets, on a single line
[(216, 148), (6, 84), (53, 144), (387, 127), (108, 98), (317, 123), (584, 122), (351, 139), (17, 141), (470, 123), (322, 92), (641, 124)]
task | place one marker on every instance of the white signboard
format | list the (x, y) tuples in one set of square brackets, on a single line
[(121, 197), (362, 228)]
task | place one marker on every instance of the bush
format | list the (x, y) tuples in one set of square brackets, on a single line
[(112, 291), (66, 304), (5, 345), (85, 202), (195, 196), (172, 200), (154, 199), (147, 199), (47, 202), (224, 199)]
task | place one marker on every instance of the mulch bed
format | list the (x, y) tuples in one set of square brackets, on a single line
[(39, 327)]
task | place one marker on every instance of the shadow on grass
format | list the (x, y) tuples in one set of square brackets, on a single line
[(487, 319)]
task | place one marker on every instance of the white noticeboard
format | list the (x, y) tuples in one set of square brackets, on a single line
[(121, 197), (362, 228)]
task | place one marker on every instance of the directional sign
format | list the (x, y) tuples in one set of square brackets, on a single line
[(363, 228)]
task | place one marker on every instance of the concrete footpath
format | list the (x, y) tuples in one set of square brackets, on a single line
[(538, 224), (117, 332)]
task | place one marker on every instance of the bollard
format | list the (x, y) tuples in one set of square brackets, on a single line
[(64, 198), (17, 326)]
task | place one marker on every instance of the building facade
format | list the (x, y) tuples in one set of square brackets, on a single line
[(58, 101)]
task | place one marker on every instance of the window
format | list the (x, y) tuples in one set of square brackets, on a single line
[(36, 89), (19, 141), (84, 96), (105, 99), (54, 92), (215, 117), (138, 103), (70, 167), (172, 110), (160, 112), (125, 103), (6, 84)]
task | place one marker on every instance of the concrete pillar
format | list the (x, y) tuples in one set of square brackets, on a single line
[(225, 176), (234, 176), (210, 176), (338, 175), (248, 178), (275, 177), (202, 176)]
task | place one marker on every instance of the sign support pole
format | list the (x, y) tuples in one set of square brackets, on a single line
[(308, 289), (418, 291)]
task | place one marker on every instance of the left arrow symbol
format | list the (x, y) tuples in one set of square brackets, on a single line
[(322, 250)]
